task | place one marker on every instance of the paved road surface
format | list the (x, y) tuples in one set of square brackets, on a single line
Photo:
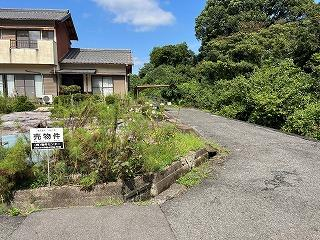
[(268, 188)]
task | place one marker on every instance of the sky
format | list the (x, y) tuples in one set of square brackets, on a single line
[(138, 25)]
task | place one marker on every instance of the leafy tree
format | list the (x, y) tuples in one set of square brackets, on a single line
[(135, 80), (298, 41), (305, 121), (314, 64), (226, 17), (210, 72), (147, 67), (172, 55), (269, 96), (197, 95), (259, 62)]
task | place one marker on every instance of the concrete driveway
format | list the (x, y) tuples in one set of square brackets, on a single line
[(268, 188)]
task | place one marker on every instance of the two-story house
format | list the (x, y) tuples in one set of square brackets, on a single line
[(36, 57)]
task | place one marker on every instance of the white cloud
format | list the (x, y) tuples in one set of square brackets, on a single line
[(144, 15), (138, 62)]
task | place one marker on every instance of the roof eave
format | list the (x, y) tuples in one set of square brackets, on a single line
[(71, 28), (97, 63)]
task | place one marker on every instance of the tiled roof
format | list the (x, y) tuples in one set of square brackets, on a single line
[(33, 14), (98, 56)]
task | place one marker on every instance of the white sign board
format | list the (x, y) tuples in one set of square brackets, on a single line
[(46, 138)]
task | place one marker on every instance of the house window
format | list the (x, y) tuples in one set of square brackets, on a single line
[(47, 35), (25, 85), (8, 34), (102, 85), (27, 39)]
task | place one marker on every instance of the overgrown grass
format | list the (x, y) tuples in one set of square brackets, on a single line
[(195, 176), (186, 142), (6, 210), (105, 140), (173, 145)]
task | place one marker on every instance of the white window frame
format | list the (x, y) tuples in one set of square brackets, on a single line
[(1, 85), (105, 85)]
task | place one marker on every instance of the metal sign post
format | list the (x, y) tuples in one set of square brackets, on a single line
[(46, 139), (49, 181)]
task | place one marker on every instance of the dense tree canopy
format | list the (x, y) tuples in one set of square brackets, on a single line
[(172, 55), (259, 61), (225, 17)]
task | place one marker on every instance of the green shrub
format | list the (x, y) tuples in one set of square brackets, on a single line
[(196, 95), (40, 178), (111, 99), (277, 92), (22, 104), (14, 212), (69, 99), (268, 97), (89, 181), (69, 90), (16, 104), (6, 105), (305, 121), (15, 170)]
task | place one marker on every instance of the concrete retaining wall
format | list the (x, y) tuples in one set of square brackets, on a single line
[(164, 179), (66, 196), (140, 188)]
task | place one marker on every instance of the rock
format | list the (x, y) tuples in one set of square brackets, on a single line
[(20, 122)]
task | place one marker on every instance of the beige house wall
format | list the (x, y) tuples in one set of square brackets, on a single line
[(102, 69), (116, 71), (44, 54), (21, 68), (51, 81)]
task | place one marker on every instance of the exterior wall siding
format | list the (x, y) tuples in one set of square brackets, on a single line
[(63, 41), (102, 69), (50, 85), (119, 86)]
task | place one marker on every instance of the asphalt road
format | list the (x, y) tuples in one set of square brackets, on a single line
[(115, 222), (268, 188)]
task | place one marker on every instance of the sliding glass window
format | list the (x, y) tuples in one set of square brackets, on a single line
[(102, 85), (25, 85)]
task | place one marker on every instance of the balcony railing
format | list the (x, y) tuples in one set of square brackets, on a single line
[(23, 43)]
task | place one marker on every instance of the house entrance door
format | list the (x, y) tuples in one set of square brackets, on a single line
[(72, 79)]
